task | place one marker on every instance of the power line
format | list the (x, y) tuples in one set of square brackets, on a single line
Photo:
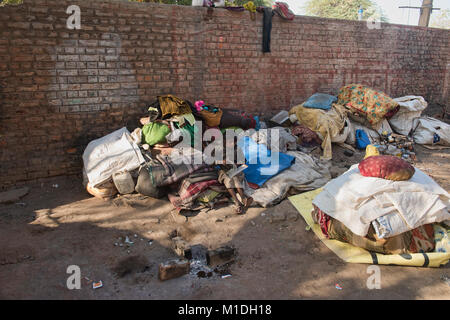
[(425, 12)]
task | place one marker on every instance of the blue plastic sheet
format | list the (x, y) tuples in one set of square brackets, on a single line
[(262, 163)]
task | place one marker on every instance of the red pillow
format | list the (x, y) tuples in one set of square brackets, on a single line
[(386, 167)]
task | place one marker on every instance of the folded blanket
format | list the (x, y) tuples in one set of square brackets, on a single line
[(189, 192)]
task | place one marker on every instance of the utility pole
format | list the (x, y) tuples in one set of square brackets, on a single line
[(425, 12)]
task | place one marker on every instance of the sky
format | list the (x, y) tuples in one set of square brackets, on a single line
[(390, 7)]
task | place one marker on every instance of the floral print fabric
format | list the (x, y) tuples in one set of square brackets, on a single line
[(372, 104)]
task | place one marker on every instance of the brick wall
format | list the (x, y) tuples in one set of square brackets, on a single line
[(61, 88)]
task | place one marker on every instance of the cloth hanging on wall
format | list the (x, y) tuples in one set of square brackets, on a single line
[(267, 28)]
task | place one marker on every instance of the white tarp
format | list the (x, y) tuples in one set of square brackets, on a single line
[(427, 130), (356, 201), (410, 107), (304, 175), (109, 154)]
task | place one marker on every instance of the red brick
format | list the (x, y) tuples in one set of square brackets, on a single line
[(173, 269)]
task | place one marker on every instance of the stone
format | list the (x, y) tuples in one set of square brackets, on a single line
[(220, 256), (349, 153), (277, 216), (292, 216)]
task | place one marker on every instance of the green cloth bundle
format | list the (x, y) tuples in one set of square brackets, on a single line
[(154, 133)]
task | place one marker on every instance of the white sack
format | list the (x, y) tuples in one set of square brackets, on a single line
[(356, 201), (425, 128), (410, 107), (109, 154)]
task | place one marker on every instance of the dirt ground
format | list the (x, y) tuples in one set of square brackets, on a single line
[(58, 224)]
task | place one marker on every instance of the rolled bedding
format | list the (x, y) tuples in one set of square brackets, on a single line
[(420, 239)]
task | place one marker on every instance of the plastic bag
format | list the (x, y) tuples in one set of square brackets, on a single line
[(362, 139)]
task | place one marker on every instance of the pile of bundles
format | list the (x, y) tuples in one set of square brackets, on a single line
[(166, 157), (384, 205), (361, 116)]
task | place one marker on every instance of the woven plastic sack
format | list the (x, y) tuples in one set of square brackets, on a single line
[(410, 108), (430, 131), (111, 153), (386, 167)]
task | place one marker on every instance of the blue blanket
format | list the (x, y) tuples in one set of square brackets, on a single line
[(320, 101)]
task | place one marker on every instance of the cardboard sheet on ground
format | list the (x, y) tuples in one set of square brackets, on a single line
[(349, 253)]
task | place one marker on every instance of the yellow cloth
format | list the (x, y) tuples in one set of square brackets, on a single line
[(371, 150), (250, 6), (327, 123), (208, 196), (349, 253)]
